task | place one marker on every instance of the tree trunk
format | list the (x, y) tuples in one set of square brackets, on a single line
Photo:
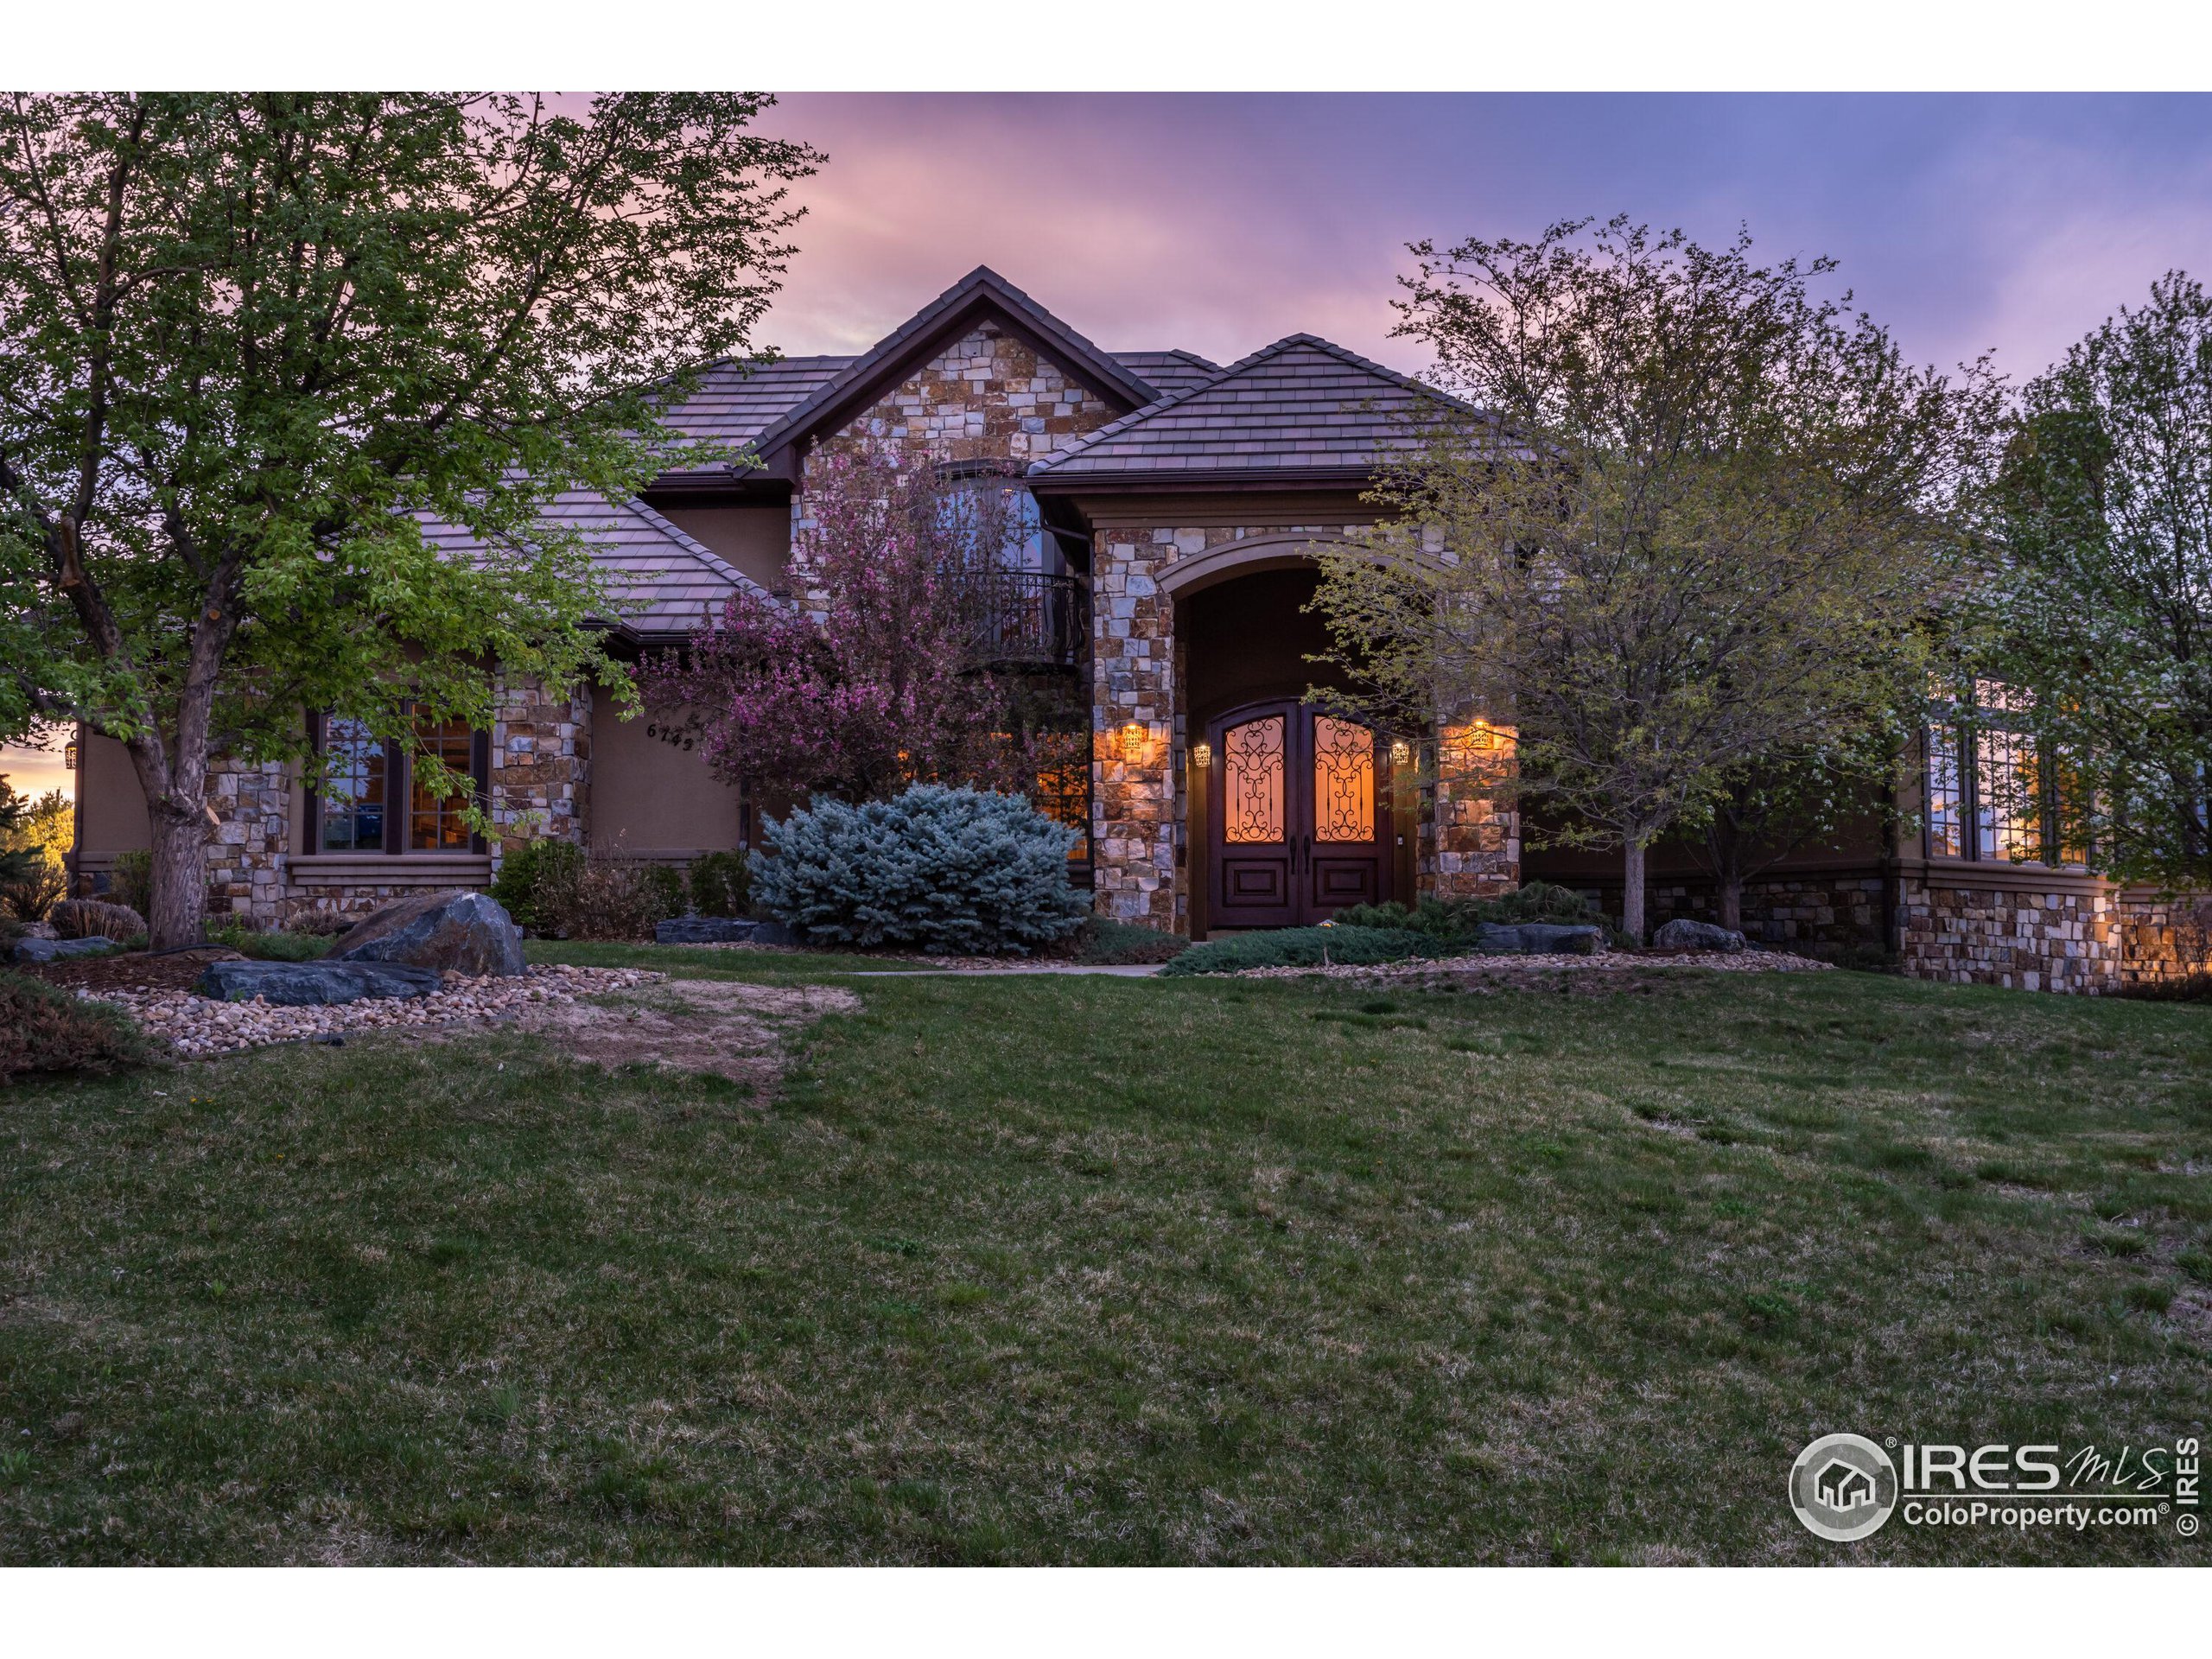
[(1732, 896), (1632, 889), (180, 879)]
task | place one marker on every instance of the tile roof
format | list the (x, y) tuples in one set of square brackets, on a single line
[(1169, 373), (736, 402), (669, 581), (1301, 405)]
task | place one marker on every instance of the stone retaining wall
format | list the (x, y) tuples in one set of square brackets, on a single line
[(2084, 937), (1815, 913)]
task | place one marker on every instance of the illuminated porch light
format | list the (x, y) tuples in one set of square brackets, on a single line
[(1133, 736), (1201, 755), (69, 757), (1400, 751)]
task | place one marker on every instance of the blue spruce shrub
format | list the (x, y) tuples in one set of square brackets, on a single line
[(949, 871)]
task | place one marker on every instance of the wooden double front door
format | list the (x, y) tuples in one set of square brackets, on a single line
[(1298, 826)]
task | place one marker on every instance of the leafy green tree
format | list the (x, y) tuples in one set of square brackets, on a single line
[(48, 824), (1788, 799), (21, 854), (2099, 615), (247, 341), (1698, 522)]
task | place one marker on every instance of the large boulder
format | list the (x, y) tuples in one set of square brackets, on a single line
[(297, 984), (722, 929), (36, 951), (1540, 939), (93, 919), (461, 932), (1683, 934), (703, 930)]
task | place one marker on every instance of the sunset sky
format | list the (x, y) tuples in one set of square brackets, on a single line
[(1223, 222), (1219, 223)]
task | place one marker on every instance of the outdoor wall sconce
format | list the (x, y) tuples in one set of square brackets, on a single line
[(1201, 755), (1400, 751), (1133, 736), (69, 757)]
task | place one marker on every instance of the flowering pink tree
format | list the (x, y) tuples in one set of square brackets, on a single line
[(869, 681)]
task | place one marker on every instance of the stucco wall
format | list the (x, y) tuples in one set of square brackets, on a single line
[(654, 798), (110, 807), (757, 540)]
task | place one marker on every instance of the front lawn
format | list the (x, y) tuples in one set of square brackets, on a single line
[(1056, 1269)]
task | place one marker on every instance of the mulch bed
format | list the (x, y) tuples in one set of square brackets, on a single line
[(136, 970)]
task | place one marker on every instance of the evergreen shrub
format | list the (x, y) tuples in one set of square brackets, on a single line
[(948, 871)]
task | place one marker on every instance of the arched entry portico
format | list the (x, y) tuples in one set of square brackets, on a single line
[(1290, 812)]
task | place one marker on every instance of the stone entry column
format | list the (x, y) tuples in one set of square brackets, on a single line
[(1469, 832), (541, 768), (246, 848), (1135, 810)]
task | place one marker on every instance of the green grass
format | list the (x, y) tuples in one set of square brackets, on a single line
[(1108, 1271), (271, 947)]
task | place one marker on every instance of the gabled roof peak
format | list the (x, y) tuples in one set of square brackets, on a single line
[(952, 309), (1299, 405)]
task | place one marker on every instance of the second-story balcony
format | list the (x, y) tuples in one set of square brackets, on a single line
[(1028, 618)]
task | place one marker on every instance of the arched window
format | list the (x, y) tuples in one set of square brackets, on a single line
[(998, 507)]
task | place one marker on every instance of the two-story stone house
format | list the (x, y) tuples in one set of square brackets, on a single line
[(1174, 506)]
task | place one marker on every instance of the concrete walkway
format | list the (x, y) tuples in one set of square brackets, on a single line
[(1132, 971)]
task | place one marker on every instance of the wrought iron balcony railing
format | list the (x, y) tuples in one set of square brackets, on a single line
[(1027, 618)]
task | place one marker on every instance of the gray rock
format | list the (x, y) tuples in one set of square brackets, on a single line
[(299, 984), (1539, 938), (40, 930), (704, 930), (1683, 934), (773, 933), (31, 949), (461, 932)]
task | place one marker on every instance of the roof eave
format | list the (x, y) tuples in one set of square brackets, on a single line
[(1180, 479)]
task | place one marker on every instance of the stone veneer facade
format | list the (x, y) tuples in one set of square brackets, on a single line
[(541, 768), (246, 849), (2066, 932), (1469, 833), (540, 777), (1140, 733), (990, 395)]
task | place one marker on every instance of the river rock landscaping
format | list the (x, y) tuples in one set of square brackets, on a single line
[(198, 1027)]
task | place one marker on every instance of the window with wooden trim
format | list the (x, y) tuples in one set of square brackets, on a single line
[(351, 797), (434, 823), (375, 797), (1946, 801), (1990, 795)]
